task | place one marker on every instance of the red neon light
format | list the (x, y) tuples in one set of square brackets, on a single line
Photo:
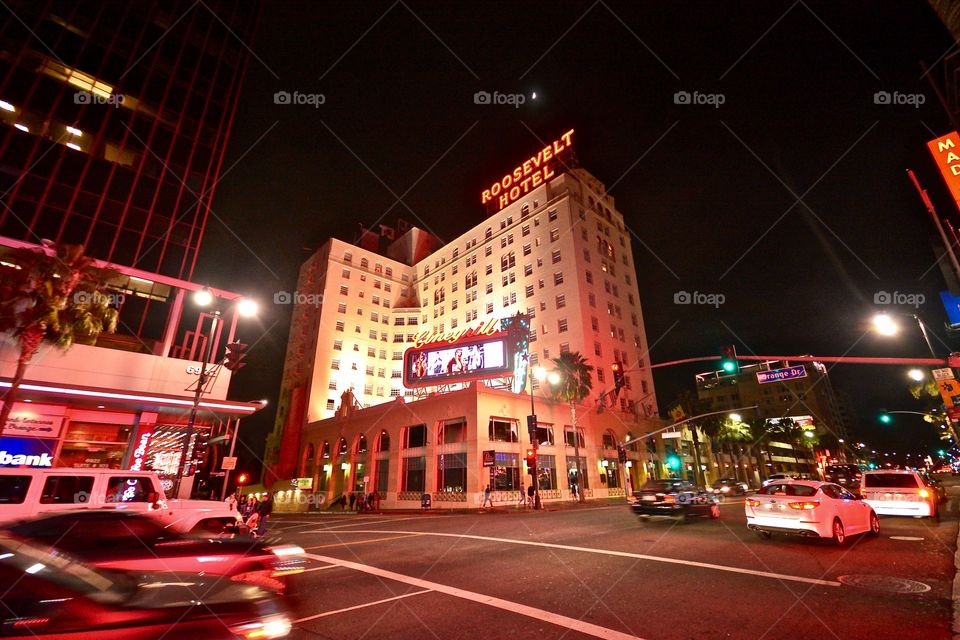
[(529, 175)]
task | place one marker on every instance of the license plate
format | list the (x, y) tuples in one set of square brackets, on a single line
[(650, 498)]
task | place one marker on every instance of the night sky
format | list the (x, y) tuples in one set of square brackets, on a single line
[(709, 193)]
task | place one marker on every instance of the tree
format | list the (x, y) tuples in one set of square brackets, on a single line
[(711, 426), (576, 382), (55, 295)]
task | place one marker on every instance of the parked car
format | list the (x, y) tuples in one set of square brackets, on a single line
[(26, 493), (899, 493), (777, 477), (846, 475), (57, 596), (133, 542), (728, 486), (810, 508), (675, 498)]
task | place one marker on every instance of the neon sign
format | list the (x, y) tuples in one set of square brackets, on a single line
[(529, 175), (486, 328), (140, 453)]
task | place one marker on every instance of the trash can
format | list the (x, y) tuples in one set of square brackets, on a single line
[(426, 501)]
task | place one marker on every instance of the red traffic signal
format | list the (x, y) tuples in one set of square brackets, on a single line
[(531, 461), (242, 479), (235, 355)]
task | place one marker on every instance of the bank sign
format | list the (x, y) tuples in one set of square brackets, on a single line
[(779, 375), (26, 452)]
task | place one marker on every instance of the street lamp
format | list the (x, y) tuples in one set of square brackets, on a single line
[(247, 308), (203, 297), (916, 375), (736, 417), (885, 325)]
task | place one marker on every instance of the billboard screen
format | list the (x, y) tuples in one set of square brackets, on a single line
[(458, 362)]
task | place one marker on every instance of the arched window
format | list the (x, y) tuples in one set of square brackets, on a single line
[(362, 444), (488, 232), (525, 210), (325, 450), (364, 263), (306, 465), (609, 439), (342, 447), (383, 442)]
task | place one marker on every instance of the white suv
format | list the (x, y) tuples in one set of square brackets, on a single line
[(26, 493), (898, 493)]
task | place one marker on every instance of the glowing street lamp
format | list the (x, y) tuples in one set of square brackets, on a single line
[(885, 325), (916, 375), (247, 308), (736, 417), (203, 297)]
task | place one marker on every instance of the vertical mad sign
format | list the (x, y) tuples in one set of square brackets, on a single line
[(946, 153)]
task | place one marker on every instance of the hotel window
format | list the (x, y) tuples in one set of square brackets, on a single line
[(561, 301), (398, 337), (389, 272), (606, 286), (616, 292), (487, 251), (374, 316), (592, 299), (552, 215), (387, 287), (381, 373), (454, 321), (589, 277), (509, 278), (412, 320), (371, 352), (488, 233), (526, 249), (543, 307), (415, 436), (568, 436), (330, 404), (502, 430), (532, 338), (554, 235), (335, 364), (561, 325), (489, 269), (586, 255), (489, 288), (414, 474), (376, 299), (529, 290), (610, 473), (630, 298), (383, 352), (369, 370), (454, 272), (564, 347), (609, 308), (470, 280), (372, 334), (531, 312), (599, 374), (528, 269), (597, 351), (394, 392), (332, 385), (573, 468), (503, 242), (359, 311), (594, 324), (410, 335), (364, 263), (386, 302), (643, 386), (489, 307), (397, 355), (508, 261), (620, 335), (525, 230), (342, 307), (339, 326), (345, 274), (546, 353), (338, 345), (348, 257), (540, 283), (558, 277), (455, 302)]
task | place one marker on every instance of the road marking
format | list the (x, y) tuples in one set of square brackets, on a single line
[(908, 538), (343, 544), (359, 606), (514, 607), (326, 566), (362, 522), (623, 554)]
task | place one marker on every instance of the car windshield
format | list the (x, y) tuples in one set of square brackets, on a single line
[(661, 485), (101, 586), (787, 489), (891, 480)]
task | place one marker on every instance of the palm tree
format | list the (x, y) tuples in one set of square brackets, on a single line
[(575, 384), (56, 297)]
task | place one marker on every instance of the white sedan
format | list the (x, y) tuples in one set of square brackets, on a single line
[(810, 508)]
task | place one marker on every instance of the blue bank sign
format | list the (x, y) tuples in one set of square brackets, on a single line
[(26, 452), (779, 375)]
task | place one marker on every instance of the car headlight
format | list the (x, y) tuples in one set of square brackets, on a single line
[(277, 626), (725, 489)]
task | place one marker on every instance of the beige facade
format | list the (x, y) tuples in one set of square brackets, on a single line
[(435, 445), (561, 253)]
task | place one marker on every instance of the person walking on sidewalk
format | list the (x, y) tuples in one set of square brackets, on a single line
[(487, 498), (522, 502)]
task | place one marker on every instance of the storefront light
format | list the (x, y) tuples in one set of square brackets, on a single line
[(605, 464), (345, 466)]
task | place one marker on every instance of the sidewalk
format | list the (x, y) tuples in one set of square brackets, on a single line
[(504, 508)]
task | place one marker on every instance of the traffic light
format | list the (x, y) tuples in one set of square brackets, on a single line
[(531, 461), (622, 455), (729, 360), (618, 380), (242, 479), (886, 418), (235, 355), (673, 461)]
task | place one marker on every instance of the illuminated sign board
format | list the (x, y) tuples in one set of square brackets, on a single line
[(779, 375), (476, 353), (946, 153), (527, 176), (26, 452)]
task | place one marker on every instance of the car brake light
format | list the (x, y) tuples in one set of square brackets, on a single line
[(753, 503), (804, 506), (272, 627), (669, 498), (924, 493)]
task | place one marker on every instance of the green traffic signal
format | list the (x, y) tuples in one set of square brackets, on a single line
[(729, 366), (941, 452), (885, 418), (673, 462)]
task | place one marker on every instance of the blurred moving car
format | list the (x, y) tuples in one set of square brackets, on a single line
[(134, 542), (936, 485), (777, 477), (674, 498), (728, 486), (56, 596), (899, 493), (25, 493), (846, 475), (809, 508)]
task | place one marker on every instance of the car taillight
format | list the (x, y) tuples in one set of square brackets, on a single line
[(271, 627), (803, 506), (753, 503), (669, 498), (924, 493), (264, 578)]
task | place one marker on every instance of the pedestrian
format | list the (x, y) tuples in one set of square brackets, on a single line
[(253, 524), (247, 508), (530, 496), (264, 511), (523, 498), (231, 502), (487, 498), (353, 500)]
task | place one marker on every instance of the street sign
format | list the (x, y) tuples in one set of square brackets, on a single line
[(942, 374), (229, 463), (779, 375), (670, 434), (953, 413), (949, 391), (490, 458)]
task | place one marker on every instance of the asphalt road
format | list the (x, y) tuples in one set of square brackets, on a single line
[(597, 571)]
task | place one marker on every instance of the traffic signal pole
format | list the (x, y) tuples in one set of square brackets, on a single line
[(534, 444)]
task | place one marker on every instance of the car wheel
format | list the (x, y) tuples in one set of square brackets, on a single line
[(715, 511), (874, 525), (839, 535), (766, 535)]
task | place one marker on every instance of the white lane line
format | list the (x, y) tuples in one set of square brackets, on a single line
[(522, 609), (359, 606), (623, 554), (357, 524), (908, 538), (326, 566)]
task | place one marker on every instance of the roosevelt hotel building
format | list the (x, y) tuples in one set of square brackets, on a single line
[(562, 255)]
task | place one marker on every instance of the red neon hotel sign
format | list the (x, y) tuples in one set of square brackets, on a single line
[(529, 175)]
